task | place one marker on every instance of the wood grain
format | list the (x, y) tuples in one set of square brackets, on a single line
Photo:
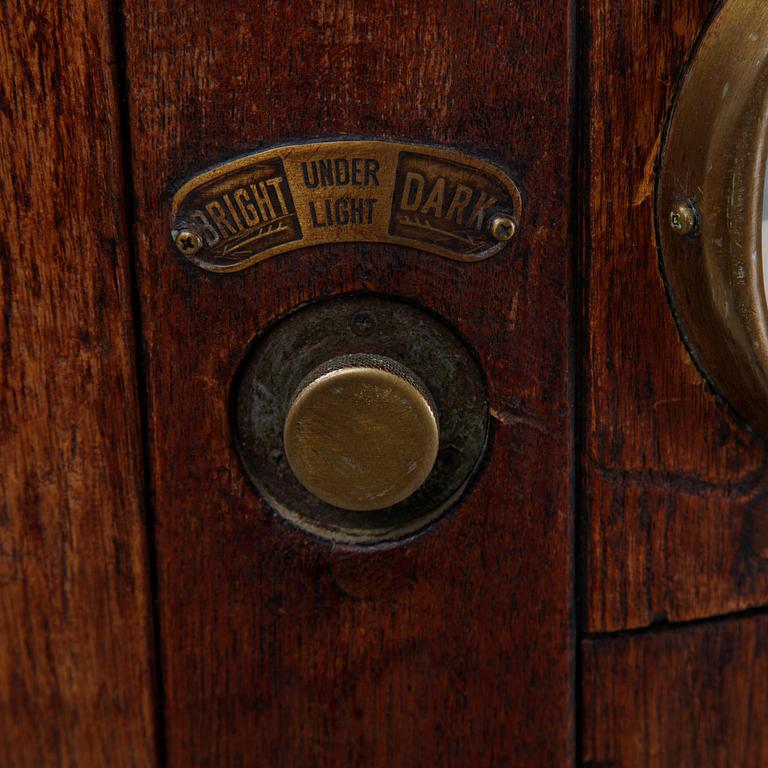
[(674, 503), (75, 629), (453, 648), (682, 698)]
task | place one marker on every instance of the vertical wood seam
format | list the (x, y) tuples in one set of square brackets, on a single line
[(117, 17), (580, 334)]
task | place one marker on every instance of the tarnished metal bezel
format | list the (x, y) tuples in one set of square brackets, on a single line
[(275, 368), (709, 206)]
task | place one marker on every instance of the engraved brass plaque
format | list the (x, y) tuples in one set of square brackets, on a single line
[(297, 195)]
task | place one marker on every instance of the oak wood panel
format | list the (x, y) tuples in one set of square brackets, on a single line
[(75, 662), (455, 647), (683, 698), (674, 504)]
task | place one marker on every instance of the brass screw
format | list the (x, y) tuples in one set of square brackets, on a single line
[(682, 218), (503, 227), (188, 242)]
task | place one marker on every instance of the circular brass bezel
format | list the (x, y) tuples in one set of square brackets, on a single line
[(714, 160)]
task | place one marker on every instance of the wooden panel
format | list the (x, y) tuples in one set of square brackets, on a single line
[(454, 648), (692, 696), (75, 674), (675, 513)]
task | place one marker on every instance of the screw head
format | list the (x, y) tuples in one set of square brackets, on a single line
[(503, 227), (188, 242), (682, 218), (363, 323)]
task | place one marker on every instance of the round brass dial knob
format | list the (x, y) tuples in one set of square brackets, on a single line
[(361, 432)]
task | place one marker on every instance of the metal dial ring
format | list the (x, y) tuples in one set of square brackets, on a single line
[(376, 328)]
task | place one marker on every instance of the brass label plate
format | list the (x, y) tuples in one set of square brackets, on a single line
[(297, 195)]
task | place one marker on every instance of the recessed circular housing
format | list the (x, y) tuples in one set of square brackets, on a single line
[(361, 420), (710, 206)]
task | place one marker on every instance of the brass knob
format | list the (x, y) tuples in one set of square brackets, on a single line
[(361, 432)]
